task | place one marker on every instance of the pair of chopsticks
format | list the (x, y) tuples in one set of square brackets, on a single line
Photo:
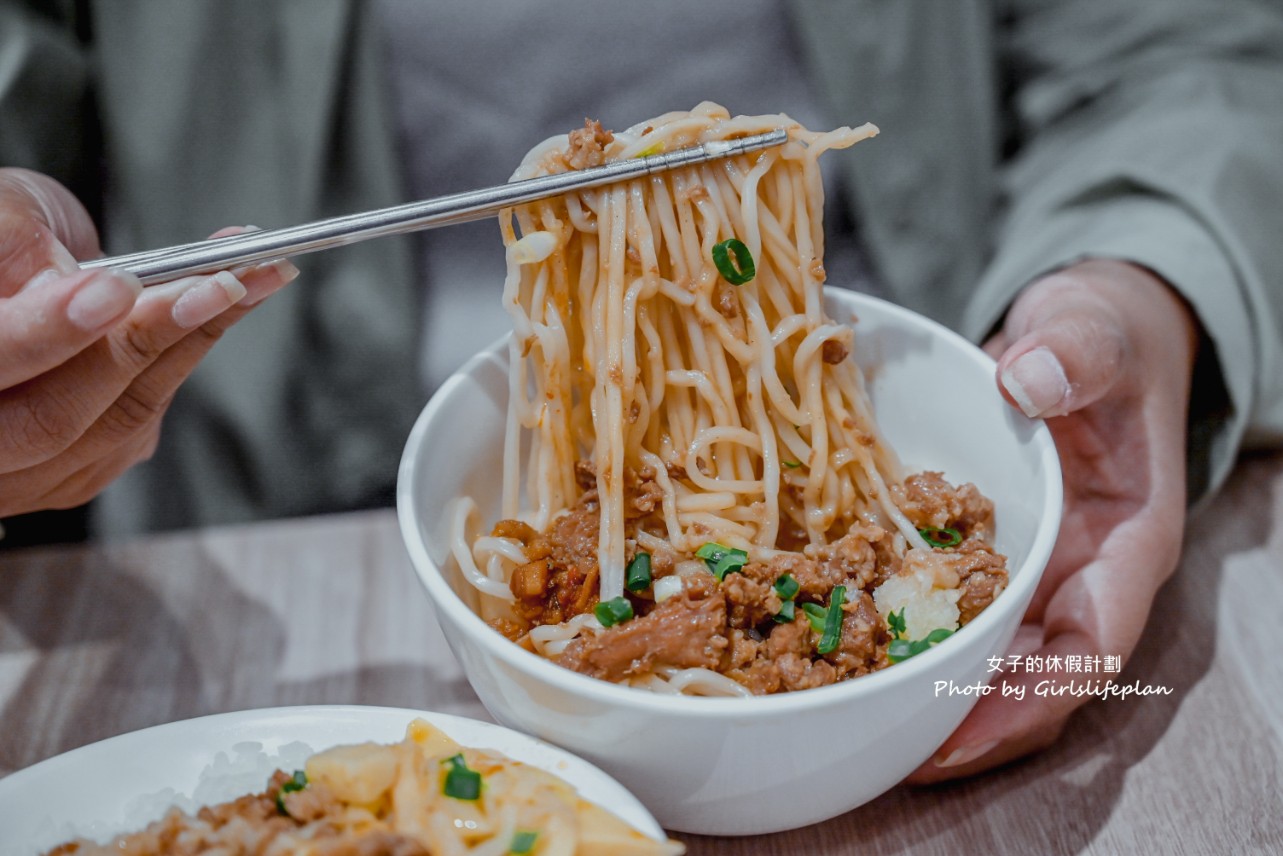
[(163, 265)]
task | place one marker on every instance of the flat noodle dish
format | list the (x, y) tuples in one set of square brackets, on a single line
[(710, 506), (425, 796)]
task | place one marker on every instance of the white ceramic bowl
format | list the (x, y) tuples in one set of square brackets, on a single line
[(123, 783), (745, 766)]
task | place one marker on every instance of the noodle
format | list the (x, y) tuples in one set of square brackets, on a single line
[(632, 354), (717, 356)]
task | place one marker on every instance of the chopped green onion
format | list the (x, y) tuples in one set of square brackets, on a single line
[(297, 782), (742, 270), (895, 623), (935, 637), (816, 615), (786, 587), (941, 537), (833, 621), (461, 783), (612, 612), (792, 465), (523, 841), (638, 573), (722, 560), (903, 649), (900, 649), (652, 149), (827, 621)]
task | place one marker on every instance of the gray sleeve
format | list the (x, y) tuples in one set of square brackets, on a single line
[(45, 91), (1151, 133)]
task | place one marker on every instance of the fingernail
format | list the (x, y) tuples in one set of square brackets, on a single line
[(967, 754), (64, 263), (102, 298), (207, 300), (45, 276), (63, 260), (268, 278), (1036, 381)]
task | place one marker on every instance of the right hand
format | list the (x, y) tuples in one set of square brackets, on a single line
[(1104, 350), (89, 361)]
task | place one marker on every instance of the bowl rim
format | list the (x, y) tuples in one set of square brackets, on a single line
[(721, 707)]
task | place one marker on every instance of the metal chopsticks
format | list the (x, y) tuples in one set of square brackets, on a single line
[(162, 265)]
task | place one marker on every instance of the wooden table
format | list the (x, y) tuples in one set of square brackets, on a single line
[(97, 641)]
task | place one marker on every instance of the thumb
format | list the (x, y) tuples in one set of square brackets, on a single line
[(43, 227), (1067, 347)]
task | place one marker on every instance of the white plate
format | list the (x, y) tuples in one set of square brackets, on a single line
[(93, 790)]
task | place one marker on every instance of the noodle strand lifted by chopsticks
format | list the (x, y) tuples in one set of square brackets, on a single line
[(630, 350)]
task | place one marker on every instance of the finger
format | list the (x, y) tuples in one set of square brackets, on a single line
[(92, 480), (51, 486), (1013, 719), (42, 418), (1068, 348), (228, 231), (149, 394), (43, 227), (1099, 611), (46, 325), (262, 278), (87, 406), (57, 207), (126, 433), (265, 279), (168, 312), (995, 345), (139, 408)]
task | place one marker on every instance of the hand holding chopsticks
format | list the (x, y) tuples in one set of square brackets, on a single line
[(89, 360)]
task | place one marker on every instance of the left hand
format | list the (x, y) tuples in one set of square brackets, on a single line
[(1104, 351)]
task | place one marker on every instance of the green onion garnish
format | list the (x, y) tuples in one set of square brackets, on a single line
[(900, 649), (742, 270), (722, 560), (612, 612), (903, 649), (895, 623), (297, 782), (637, 577), (833, 621), (941, 537), (461, 783), (523, 842), (792, 465), (816, 615), (786, 587)]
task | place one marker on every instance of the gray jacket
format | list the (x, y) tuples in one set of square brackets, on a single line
[(1026, 134)]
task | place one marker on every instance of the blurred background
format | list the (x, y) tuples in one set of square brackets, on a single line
[(170, 121)]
